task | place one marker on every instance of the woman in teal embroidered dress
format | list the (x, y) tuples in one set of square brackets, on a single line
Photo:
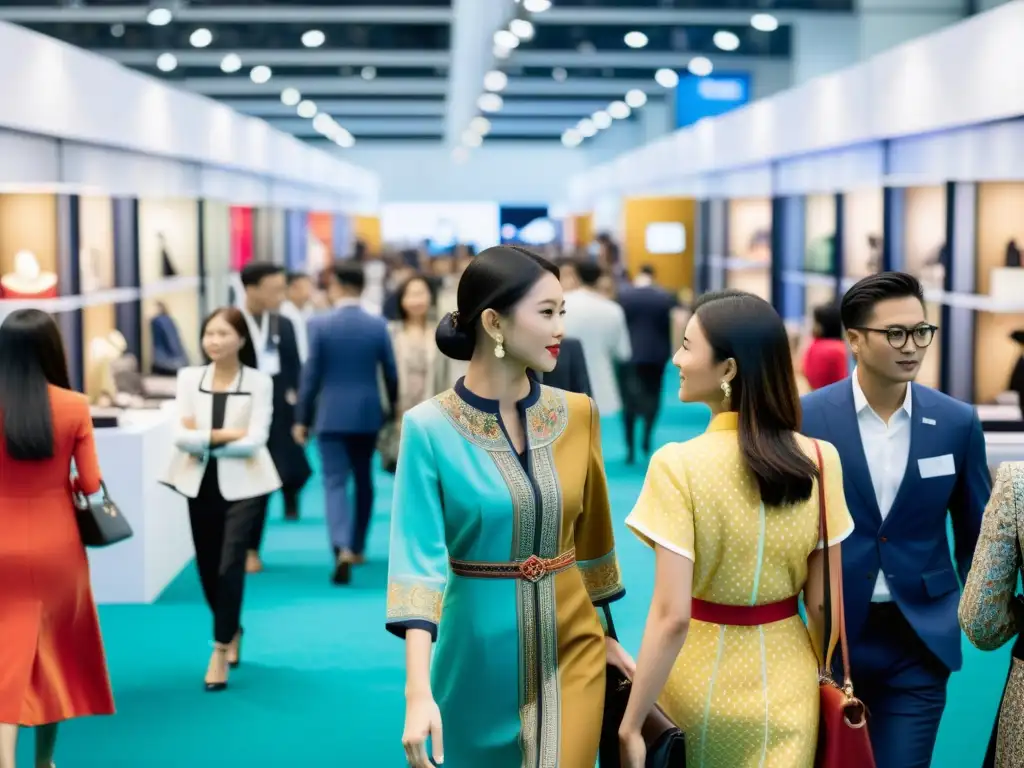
[(501, 540)]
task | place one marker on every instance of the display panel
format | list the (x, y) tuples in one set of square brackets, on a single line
[(216, 252), (1000, 229), (530, 226), (241, 237), (665, 216), (819, 250), (439, 227), (99, 321), (863, 222), (296, 227), (926, 256), (28, 246), (750, 246), (169, 249), (320, 242)]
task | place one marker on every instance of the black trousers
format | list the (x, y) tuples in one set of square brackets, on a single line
[(641, 397), (221, 531), (291, 509)]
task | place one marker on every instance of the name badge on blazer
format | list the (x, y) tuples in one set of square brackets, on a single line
[(936, 466), (270, 362)]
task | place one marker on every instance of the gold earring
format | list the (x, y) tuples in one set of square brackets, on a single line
[(499, 346), (726, 394)]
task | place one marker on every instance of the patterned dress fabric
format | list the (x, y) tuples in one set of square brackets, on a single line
[(519, 666), (746, 697), (986, 615)]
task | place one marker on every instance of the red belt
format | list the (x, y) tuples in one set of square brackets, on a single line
[(532, 569), (744, 615)]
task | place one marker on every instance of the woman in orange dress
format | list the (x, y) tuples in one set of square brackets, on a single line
[(52, 665)]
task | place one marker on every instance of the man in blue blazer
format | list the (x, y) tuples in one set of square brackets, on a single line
[(911, 456), (340, 397)]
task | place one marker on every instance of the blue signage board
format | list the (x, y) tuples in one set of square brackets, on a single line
[(700, 97)]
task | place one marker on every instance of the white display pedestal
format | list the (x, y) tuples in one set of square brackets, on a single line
[(132, 458)]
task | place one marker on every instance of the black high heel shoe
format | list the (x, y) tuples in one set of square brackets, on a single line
[(238, 650), (219, 686)]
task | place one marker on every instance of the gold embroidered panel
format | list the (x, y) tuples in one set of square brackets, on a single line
[(414, 601)]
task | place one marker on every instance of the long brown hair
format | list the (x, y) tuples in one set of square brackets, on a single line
[(746, 328)]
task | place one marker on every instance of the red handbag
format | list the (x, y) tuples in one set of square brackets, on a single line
[(843, 740)]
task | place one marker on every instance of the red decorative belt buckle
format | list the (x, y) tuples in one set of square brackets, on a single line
[(533, 568)]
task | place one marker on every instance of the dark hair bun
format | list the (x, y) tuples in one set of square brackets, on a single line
[(454, 340)]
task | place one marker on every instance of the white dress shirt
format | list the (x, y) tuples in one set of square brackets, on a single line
[(299, 319), (887, 450), (600, 325)]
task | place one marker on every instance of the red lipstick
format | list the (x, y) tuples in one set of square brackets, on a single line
[(554, 350)]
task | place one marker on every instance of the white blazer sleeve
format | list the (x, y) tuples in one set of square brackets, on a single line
[(259, 420), (188, 440)]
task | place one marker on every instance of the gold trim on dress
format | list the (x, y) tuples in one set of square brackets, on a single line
[(414, 601), (602, 577), (545, 420)]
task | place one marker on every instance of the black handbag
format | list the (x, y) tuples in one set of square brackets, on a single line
[(666, 743), (100, 522)]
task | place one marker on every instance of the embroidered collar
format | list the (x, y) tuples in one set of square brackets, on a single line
[(725, 422)]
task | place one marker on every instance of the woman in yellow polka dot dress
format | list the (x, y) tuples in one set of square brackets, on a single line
[(733, 518)]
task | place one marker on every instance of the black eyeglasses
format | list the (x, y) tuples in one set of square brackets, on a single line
[(899, 335)]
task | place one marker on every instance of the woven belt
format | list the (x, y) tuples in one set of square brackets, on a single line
[(532, 569)]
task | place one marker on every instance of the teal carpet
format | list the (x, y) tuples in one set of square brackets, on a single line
[(321, 683)]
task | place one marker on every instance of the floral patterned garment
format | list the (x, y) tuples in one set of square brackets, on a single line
[(986, 608)]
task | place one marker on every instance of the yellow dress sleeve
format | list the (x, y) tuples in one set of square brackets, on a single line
[(594, 536), (986, 616), (664, 512), (840, 521)]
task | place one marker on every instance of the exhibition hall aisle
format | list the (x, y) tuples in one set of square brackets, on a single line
[(321, 681)]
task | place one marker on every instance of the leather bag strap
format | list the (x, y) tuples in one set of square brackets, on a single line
[(829, 597)]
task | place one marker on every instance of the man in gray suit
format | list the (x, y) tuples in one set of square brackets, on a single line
[(340, 398)]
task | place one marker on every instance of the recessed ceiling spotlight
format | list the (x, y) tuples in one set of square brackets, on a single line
[(480, 124), (323, 123), (635, 39), (472, 139), (764, 22), (495, 80), (490, 102), (505, 39), (619, 110), (572, 138), (536, 6), (290, 97), (231, 62), (345, 140), (601, 119), (700, 66), (586, 127), (117, 30), (307, 109), (167, 62), (521, 28), (666, 78), (726, 41), (636, 98), (201, 38), (160, 16), (313, 38), (260, 74), (559, 74), (368, 73), (586, 47), (501, 53)]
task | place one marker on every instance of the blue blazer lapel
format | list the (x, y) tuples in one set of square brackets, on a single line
[(920, 405), (844, 426)]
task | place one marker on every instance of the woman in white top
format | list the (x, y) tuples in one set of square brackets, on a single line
[(223, 467)]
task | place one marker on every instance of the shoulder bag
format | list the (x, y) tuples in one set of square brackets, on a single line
[(843, 740), (666, 744), (100, 522)]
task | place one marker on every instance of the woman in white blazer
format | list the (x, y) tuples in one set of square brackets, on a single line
[(222, 466)]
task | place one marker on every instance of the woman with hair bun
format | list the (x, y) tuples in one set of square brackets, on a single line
[(501, 524)]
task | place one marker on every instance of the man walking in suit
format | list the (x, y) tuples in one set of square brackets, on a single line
[(910, 455), (349, 349)]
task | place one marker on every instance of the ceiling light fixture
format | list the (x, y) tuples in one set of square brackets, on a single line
[(231, 62), (505, 39), (560, 74), (290, 97), (619, 110), (764, 22), (490, 102), (601, 119), (313, 38), (537, 6), (726, 41), (495, 80), (501, 53), (572, 138), (261, 74), (160, 16), (586, 127), (472, 139), (307, 109), (636, 98), (324, 123), (666, 78), (700, 66), (346, 140), (522, 28), (368, 73), (635, 39), (167, 62), (117, 30), (480, 125), (201, 38)]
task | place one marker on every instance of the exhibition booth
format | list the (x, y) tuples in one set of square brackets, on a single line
[(124, 221)]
